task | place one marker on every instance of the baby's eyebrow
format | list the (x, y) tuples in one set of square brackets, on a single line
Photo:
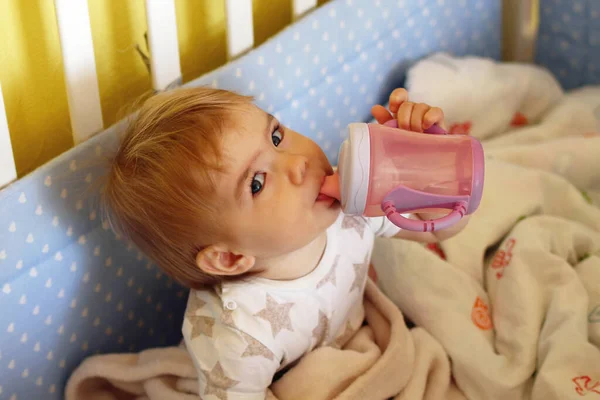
[(239, 188)]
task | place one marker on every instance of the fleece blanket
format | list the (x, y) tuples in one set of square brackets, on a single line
[(508, 309), (384, 359), (514, 299)]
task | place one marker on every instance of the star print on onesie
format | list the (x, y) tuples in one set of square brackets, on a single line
[(241, 334)]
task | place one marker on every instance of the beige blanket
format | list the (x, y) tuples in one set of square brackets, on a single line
[(383, 360), (517, 303)]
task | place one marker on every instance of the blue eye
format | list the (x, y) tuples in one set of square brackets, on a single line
[(257, 183), (277, 137)]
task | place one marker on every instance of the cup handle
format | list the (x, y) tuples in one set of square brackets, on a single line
[(400, 221)]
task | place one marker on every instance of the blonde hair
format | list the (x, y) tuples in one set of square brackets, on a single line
[(158, 192)]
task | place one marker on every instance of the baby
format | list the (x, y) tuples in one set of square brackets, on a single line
[(227, 201)]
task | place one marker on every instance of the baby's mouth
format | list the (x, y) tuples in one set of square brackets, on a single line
[(330, 187), (323, 196)]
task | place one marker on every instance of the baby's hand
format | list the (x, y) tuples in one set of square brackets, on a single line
[(412, 117)]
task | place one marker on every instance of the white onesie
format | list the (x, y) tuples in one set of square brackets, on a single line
[(241, 334)]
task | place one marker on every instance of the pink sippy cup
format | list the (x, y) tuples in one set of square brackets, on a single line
[(384, 170)]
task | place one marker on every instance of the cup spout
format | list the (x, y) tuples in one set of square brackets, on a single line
[(331, 186)]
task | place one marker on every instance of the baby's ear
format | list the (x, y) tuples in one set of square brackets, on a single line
[(217, 259)]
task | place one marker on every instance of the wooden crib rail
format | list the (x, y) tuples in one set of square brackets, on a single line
[(83, 95), (8, 171), (164, 47), (79, 62)]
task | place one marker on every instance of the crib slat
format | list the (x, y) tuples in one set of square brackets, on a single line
[(520, 36), (80, 68), (8, 171), (301, 7), (240, 31), (164, 48)]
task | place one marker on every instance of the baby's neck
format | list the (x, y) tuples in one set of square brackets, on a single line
[(296, 264)]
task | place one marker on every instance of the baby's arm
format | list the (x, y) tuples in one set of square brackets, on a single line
[(417, 118)]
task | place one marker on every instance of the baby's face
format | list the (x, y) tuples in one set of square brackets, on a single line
[(270, 187)]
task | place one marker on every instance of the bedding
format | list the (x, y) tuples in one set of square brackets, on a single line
[(69, 288), (508, 309), (383, 360)]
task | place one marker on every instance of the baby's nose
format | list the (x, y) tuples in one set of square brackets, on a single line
[(298, 167)]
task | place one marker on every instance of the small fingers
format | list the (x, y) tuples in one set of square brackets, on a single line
[(381, 114), (397, 97), (404, 115), (417, 117), (435, 115)]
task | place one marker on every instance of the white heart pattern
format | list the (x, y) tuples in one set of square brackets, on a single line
[(12, 227)]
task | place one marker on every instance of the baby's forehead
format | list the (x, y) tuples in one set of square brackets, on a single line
[(249, 119), (248, 127)]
